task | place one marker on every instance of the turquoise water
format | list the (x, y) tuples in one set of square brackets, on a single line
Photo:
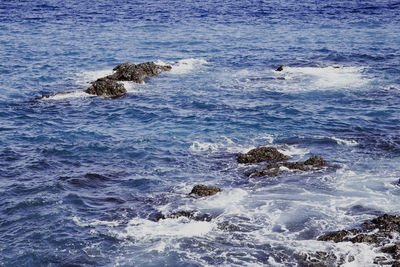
[(82, 178)]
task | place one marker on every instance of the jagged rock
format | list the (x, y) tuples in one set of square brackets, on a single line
[(364, 238), (377, 232), (316, 161), (136, 72), (261, 154), (385, 223), (295, 166), (106, 88), (336, 237), (273, 169), (280, 68), (204, 190)]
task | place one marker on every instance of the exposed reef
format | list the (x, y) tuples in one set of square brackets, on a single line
[(109, 86)]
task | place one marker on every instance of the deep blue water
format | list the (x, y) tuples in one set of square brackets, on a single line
[(82, 178)]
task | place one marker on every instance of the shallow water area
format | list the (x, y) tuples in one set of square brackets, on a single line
[(86, 181)]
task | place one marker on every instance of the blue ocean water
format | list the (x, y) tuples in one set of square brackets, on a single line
[(83, 178)]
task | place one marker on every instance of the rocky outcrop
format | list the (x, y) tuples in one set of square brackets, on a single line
[(109, 87), (105, 87), (137, 72), (204, 190), (275, 169), (261, 154), (378, 232)]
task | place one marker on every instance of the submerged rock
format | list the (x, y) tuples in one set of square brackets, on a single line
[(204, 190), (261, 154), (136, 72), (106, 88)]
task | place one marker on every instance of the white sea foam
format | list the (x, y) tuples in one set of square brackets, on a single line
[(327, 77), (93, 223), (184, 66), (66, 95), (86, 77), (182, 227), (345, 142), (293, 150), (392, 87), (221, 144), (227, 145)]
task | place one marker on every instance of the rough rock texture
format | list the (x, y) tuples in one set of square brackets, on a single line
[(109, 87), (274, 169), (261, 154), (106, 88), (378, 232), (204, 190), (316, 161), (136, 72)]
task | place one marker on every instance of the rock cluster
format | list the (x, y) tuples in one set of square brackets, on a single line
[(110, 86), (381, 232), (276, 160)]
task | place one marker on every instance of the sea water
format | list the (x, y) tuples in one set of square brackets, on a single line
[(83, 178)]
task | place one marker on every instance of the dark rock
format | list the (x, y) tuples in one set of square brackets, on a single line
[(280, 68), (364, 238), (316, 161), (394, 249), (204, 190), (106, 88), (295, 166), (336, 237), (42, 97), (379, 260), (136, 72), (272, 169), (377, 232), (386, 223), (261, 154)]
